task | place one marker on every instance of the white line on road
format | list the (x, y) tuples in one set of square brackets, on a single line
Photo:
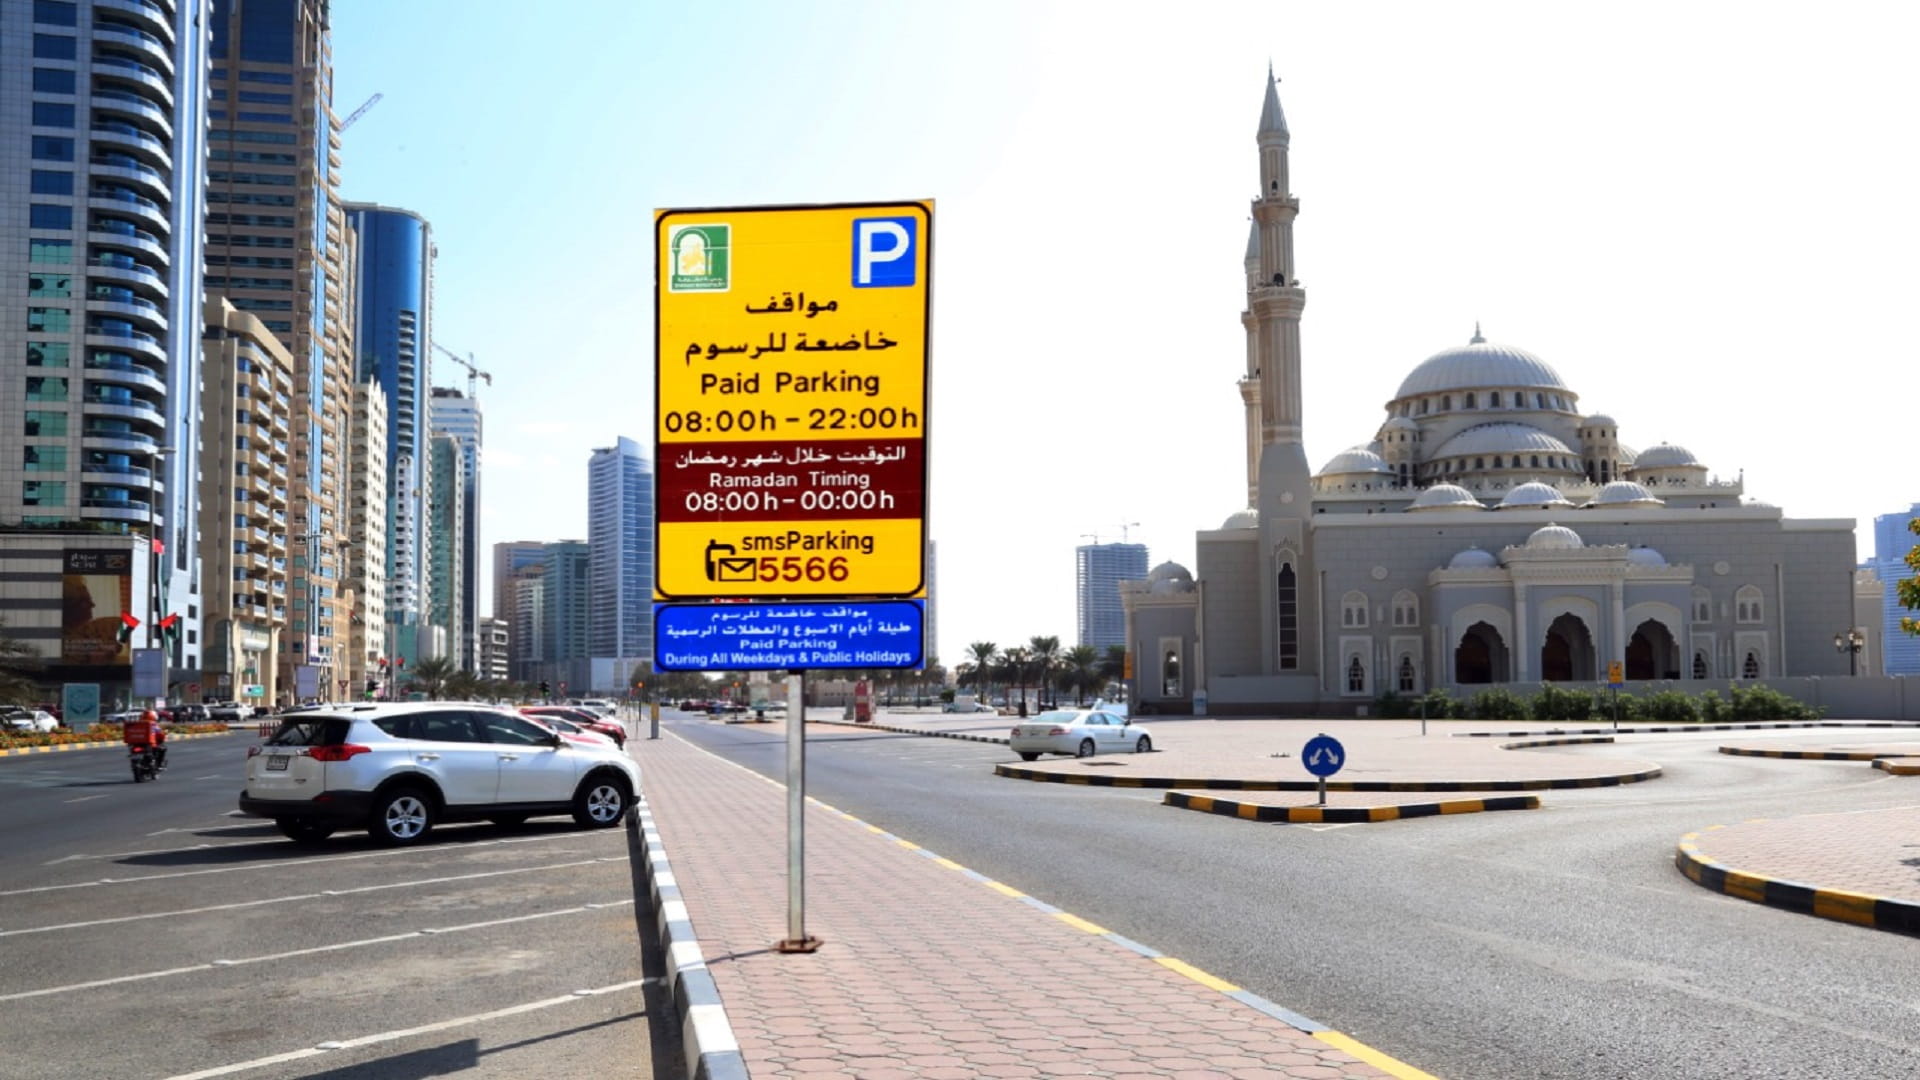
[(407, 1033), (210, 828), (86, 798), (335, 947), (303, 896), (278, 863)]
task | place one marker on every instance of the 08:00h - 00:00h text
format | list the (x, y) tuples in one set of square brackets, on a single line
[(748, 501)]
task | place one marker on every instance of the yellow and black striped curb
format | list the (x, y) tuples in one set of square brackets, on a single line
[(1880, 913), (1806, 755), (97, 744), (1671, 728), (1221, 783), (915, 731), (1531, 744), (1335, 815), (1899, 766), (1390, 1065)]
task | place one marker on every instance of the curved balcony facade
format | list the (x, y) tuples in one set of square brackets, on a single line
[(145, 14)]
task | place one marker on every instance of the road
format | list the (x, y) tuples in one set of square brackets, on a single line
[(148, 931), (1537, 945)]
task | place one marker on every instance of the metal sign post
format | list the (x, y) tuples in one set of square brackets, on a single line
[(1616, 674), (797, 939)]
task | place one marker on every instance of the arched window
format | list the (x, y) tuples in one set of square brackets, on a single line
[(1539, 400), (1406, 674), (1170, 674), (1751, 668), (1536, 461), (1493, 399), (1479, 463), (1470, 402), (1446, 402), (1287, 600), (1406, 609), (1356, 676), (1499, 462), (1747, 605), (1702, 605), (1424, 405), (1699, 665), (1353, 609)]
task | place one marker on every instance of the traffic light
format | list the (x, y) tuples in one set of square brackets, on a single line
[(544, 688)]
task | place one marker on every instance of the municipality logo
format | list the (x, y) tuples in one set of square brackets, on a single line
[(700, 258)]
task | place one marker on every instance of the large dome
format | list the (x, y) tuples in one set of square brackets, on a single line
[(1624, 493), (1534, 496), (1473, 559), (1242, 519), (1501, 439), (1480, 364), (1666, 456), (1354, 459), (1446, 497), (1169, 577), (1555, 538)]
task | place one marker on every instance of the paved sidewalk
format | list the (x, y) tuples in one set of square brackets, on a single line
[(961, 977)]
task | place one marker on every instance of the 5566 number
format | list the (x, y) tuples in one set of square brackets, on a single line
[(796, 568)]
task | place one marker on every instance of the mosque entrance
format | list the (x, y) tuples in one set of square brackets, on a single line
[(1567, 655), (1481, 656), (1652, 653)]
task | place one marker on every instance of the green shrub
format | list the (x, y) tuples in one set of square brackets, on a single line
[(1494, 704), (1393, 706), (1751, 703), (1669, 707), (1554, 705)]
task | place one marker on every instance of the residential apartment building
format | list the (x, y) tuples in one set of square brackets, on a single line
[(102, 107), (457, 415), (494, 639), (620, 558), (446, 535), (512, 560), (566, 591), (367, 535)]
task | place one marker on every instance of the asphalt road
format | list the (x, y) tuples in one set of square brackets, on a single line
[(1535, 945), (148, 931)]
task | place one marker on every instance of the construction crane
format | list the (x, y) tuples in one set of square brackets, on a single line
[(360, 112), (473, 370), (1124, 526)]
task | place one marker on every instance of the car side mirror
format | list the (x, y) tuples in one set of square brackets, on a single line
[(554, 740)]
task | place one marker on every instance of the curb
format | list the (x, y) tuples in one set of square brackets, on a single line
[(23, 750), (712, 1050), (1878, 913), (913, 731), (1670, 728), (1805, 755), (1218, 784), (1345, 814), (1899, 767)]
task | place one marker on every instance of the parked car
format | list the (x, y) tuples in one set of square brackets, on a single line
[(36, 721), (969, 707), (569, 730), (399, 769), (1079, 732), (612, 729)]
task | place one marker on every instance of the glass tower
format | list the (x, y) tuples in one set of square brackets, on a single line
[(1891, 542), (620, 536), (1099, 570), (457, 416)]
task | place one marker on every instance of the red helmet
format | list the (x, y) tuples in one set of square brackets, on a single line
[(149, 716)]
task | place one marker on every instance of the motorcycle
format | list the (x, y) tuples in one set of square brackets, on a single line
[(147, 761)]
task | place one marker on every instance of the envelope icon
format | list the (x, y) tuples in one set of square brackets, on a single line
[(725, 567)]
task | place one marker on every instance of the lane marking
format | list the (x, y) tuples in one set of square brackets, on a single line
[(406, 1033), (86, 798), (335, 947), (302, 896)]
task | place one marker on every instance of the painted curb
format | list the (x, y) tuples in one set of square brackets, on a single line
[(19, 751), (1671, 728), (1219, 784), (1334, 815), (912, 731), (1903, 766), (712, 1049), (1878, 913), (1805, 755)]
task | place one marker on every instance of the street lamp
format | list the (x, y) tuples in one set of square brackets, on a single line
[(1851, 642), (153, 543)]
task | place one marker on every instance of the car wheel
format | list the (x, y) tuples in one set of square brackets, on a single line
[(601, 802), (1029, 755), (401, 816), (508, 821), (1143, 746), (302, 832), (1086, 748)]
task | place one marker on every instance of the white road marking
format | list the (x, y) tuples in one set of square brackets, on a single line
[(303, 896), (406, 1033), (276, 864), (335, 947), (86, 798), (215, 776), (212, 828)]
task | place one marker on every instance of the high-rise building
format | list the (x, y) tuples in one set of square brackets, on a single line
[(620, 543), (278, 248), (394, 348), (103, 110), (456, 415), (526, 637), (1891, 542), (565, 599), (446, 537), (1098, 571), (367, 528), (493, 649), (513, 560)]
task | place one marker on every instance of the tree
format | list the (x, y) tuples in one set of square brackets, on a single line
[(18, 661), (984, 653), (1080, 670), (1046, 660), (1909, 588), (430, 677), (1016, 667), (1113, 664)]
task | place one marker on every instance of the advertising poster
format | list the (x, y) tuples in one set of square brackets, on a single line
[(96, 589)]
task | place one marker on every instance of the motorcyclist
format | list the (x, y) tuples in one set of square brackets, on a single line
[(147, 732)]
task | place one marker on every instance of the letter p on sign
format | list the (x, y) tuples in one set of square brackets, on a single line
[(883, 255)]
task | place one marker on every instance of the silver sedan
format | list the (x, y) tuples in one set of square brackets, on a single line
[(1079, 732)]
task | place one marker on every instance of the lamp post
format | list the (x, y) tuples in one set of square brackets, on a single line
[(1850, 642), (153, 540)]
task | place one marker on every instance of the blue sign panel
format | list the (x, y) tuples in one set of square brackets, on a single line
[(1323, 755), (793, 637)]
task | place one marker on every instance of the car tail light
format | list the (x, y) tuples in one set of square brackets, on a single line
[(338, 753), (1057, 731), (254, 750)]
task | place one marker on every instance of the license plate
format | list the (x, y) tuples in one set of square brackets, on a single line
[(277, 763)]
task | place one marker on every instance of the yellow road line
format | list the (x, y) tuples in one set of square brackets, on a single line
[(1007, 889), (1079, 923), (1196, 974), (1373, 1057)]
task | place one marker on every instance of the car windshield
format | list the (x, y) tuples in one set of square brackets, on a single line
[(311, 730), (1058, 716)]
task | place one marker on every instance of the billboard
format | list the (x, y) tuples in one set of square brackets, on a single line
[(96, 589)]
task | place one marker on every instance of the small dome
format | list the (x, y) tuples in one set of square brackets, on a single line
[(1480, 364), (1169, 577), (1401, 423), (1534, 496), (1599, 419), (1501, 439), (1645, 556), (1446, 497), (1473, 559), (1666, 456), (1749, 500), (1624, 493), (1242, 519), (1627, 454), (1555, 538), (1354, 459)]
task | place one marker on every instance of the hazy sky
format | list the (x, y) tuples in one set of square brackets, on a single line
[(1702, 215)]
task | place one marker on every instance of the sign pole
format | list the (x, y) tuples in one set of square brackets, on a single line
[(797, 939)]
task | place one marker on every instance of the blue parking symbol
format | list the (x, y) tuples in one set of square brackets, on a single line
[(883, 252)]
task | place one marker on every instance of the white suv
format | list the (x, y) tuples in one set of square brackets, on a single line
[(399, 769)]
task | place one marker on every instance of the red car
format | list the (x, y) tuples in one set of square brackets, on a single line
[(590, 720)]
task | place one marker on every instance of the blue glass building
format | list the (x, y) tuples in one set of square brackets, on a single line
[(620, 541), (1891, 542)]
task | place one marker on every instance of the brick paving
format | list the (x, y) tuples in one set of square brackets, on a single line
[(1873, 852), (926, 972)]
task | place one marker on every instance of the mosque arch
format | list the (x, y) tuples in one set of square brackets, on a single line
[(1566, 652), (1480, 656), (1652, 652)]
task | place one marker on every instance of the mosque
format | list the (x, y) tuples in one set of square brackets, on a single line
[(1490, 532)]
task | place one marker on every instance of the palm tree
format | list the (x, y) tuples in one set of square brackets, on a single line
[(1016, 665), (18, 660), (430, 677), (1080, 669), (1046, 661), (1113, 663), (984, 653)]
